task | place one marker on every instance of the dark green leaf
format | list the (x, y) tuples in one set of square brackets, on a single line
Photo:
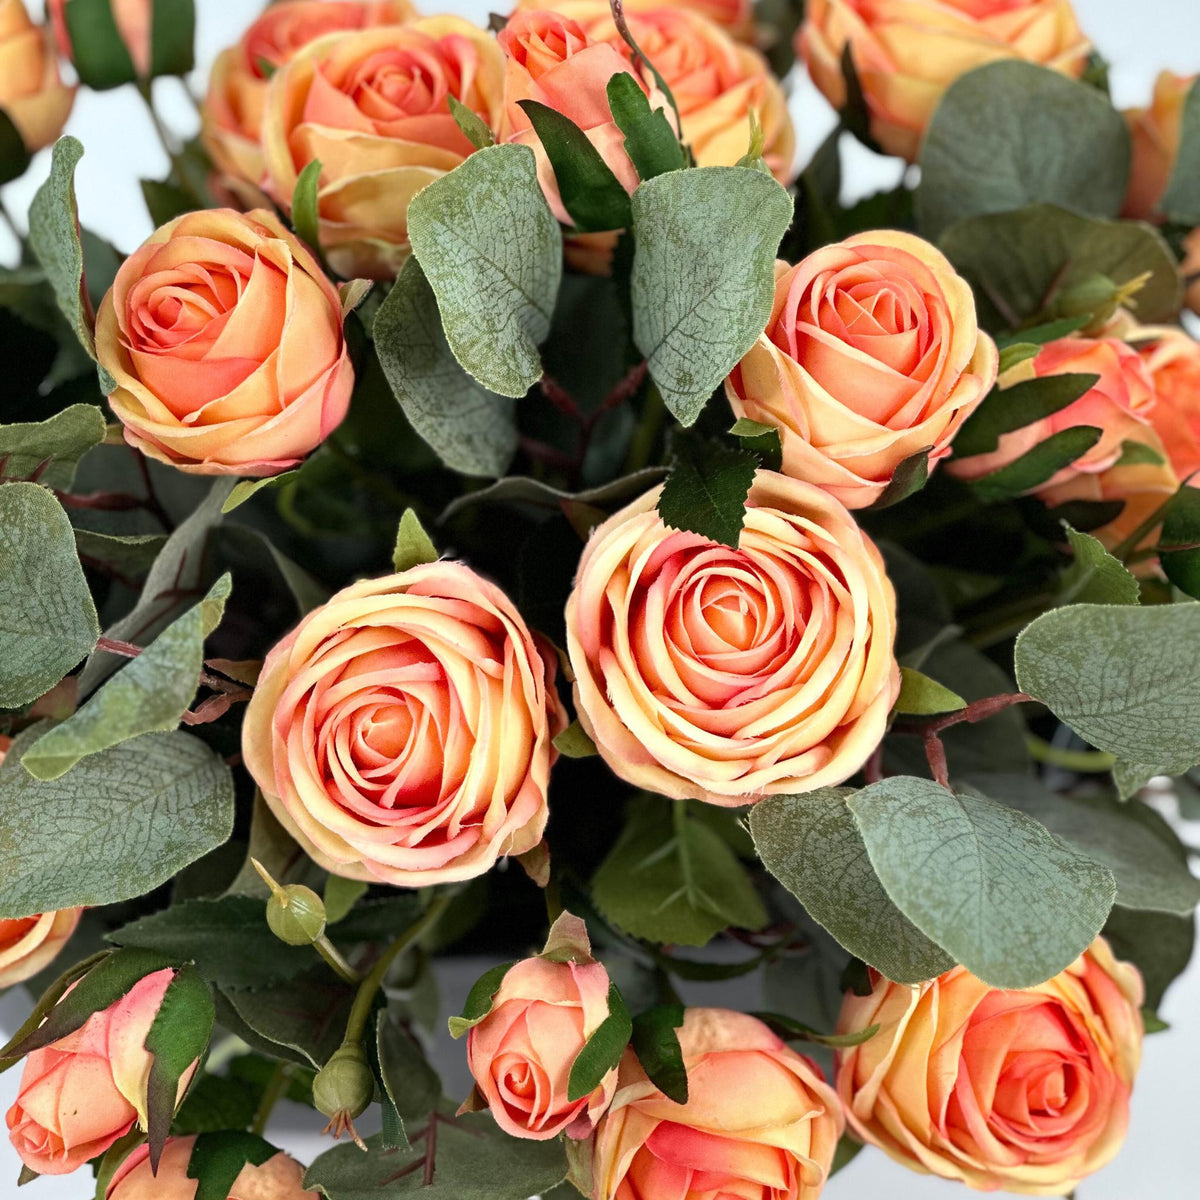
[(174, 31), (479, 999), (245, 488), (218, 1158), (707, 489), (792, 1030), (99, 55), (656, 1044), (1036, 466), (411, 1086), (51, 450), (340, 896), (649, 139), (910, 476), (1135, 454), (1095, 577), (763, 440), (14, 156), (603, 1050), (574, 742), (1158, 944), (1006, 409), (1181, 527), (216, 1102), (130, 557), (473, 126), (1181, 201), (165, 201), (306, 218)]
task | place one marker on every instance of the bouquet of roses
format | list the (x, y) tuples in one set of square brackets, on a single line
[(506, 510)]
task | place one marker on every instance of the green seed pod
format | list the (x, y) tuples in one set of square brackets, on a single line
[(296, 915), (344, 1085)]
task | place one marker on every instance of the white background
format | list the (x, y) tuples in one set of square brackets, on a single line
[(1138, 37)]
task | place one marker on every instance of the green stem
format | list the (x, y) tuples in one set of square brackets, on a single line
[(276, 1088), (1092, 762), (329, 952), (641, 445)]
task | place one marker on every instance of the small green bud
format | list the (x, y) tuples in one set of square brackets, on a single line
[(296, 915), (1092, 296), (344, 1086)]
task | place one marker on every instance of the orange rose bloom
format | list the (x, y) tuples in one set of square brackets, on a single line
[(728, 675), (1155, 136), (1022, 1090), (237, 88), (135, 25), (908, 52), (736, 16), (372, 107), (402, 733), (32, 94), (872, 354), (760, 1122), (1173, 360), (80, 1094), (522, 1052), (225, 339), (279, 1178)]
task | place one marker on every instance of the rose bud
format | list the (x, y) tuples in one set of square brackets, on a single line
[(760, 1122), (1155, 133), (225, 338), (32, 95), (279, 1178), (135, 23), (237, 87), (402, 733), (1027, 1091), (728, 675), (872, 354), (908, 52), (373, 108), (522, 1052), (78, 1095), (1173, 359)]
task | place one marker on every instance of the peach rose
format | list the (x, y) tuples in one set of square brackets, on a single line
[(32, 95), (225, 339), (908, 52), (522, 1052), (135, 25), (872, 354), (736, 16), (372, 106), (1155, 135), (1022, 1090), (237, 87), (80, 1094), (760, 1122), (279, 1178), (403, 731), (1173, 359), (27, 944), (728, 675)]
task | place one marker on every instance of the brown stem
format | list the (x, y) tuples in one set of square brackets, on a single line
[(124, 649), (152, 504), (935, 753)]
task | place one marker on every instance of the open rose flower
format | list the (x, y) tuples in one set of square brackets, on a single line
[(373, 108), (135, 25), (908, 52), (279, 1178), (1173, 359), (237, 88), (80, 1094), (1022, 1090), (760, 1122), (403, 731), (728, 675), (32, 94), (225, 339), (872, 354), (736, 16)]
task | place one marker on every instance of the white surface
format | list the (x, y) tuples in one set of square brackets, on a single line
[(1138, 38)]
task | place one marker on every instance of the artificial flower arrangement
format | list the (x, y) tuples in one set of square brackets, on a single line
[(507, 509)]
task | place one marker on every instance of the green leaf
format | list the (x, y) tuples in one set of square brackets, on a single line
[(1181, 200), (167, 800), (703, 275), (130, 557), (473, 126), (178, 1037), (245, 488), (762, 440), (165, 201), (707, 489), (603, 1050), (1158, 944), (1006, 409), (1015, 260), (670, 878), (792, 1030), (492, 252), (470, 429), (98, 54), (656, 1045), (474, 1160), (988, 884), (149, 695), (174, 32), (340, 896), (1181, 527), (813, 846), (413, 545), (410, 1085), (650, 141), (1029, 341), (479, 999), (51, 450), (1036, 466), (909, 477), (216, 1102), (1149, 865), (1095, 577), (1129, 778), (1139, 454), (48, 622), (218, 1158), (922, 696), (306, 217), (1012, 133), (574, 742), (591, 193), (14, 156), (1123, 678)]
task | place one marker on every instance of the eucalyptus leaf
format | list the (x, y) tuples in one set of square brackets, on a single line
[(129, 557), (473, 126), (1129, 778), (51, 449)]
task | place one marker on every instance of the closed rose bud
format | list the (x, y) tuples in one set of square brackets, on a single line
[(760, 1122), (522, 1052), (225, 338), (79, 1094), (1025, 1091), (32, 95), (1155, 133), (134, 20), (279, 1178), (908, 52), (296, 915), (344, 1086), (872, 354)]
